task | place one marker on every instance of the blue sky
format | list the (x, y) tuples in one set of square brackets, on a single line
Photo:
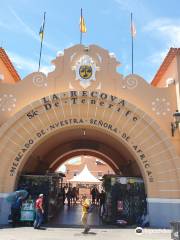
[(108, 25)]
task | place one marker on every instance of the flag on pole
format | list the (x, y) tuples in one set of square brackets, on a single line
[(133, 28), (41, 31), (82, 25), (133, 34), (41, 34)]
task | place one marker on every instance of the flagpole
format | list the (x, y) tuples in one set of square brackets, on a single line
[(81, 28), (132, 45), (41, 42)]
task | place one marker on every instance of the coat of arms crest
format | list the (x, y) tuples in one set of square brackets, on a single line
[(85, 69)]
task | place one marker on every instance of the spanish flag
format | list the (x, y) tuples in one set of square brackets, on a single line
[(82, 24)]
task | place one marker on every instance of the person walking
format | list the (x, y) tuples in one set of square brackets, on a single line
[(97, 196), (64, 194), (102, 197), (69, 196), (39, 212), (93, 194), (84, 218)]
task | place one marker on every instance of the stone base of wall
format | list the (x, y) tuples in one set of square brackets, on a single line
[(163, 211)]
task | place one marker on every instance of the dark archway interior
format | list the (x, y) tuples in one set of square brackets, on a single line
[(59, 148), (74, 142)]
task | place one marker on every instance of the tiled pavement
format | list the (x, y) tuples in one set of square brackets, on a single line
[(60, 228), (28, 233)]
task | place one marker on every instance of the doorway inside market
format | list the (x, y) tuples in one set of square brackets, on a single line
[(106, 167), (115, 199)]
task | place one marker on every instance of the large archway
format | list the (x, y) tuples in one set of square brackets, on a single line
[(73, 142), (113, 127), (118, 119)]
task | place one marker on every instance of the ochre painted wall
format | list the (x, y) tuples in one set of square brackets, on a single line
[(28, 109), (8, 78)]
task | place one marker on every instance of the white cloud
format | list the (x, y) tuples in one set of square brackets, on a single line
[(136, 7), (62, 168), (168, 29), (126, 5), (59, 53), (157, 57), (155, 60), (74, 160), (47, 69), (5, 25), (168, 32), (27, 64), (127, 68)]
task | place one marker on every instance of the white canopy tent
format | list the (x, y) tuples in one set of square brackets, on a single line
[(85, 176)]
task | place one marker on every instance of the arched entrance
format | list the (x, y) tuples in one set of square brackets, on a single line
[(120, 126), (77, 141), (87, 121), (70, 143)]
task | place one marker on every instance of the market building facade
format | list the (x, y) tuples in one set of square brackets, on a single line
[(85, 107)]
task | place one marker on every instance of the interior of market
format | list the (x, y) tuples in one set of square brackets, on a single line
[(117, 200)]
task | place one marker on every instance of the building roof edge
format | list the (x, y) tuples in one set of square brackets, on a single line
[(165, 64), (6, 60)]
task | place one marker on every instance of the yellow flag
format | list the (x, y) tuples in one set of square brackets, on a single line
[(82, 25), (41, 33)]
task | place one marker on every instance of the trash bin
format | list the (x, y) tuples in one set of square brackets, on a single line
[(175, 233)]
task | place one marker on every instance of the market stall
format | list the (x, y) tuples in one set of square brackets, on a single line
[(50, 185), (125, 200), (85, 181)]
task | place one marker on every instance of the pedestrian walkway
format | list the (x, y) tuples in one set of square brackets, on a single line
[(71, 216), (29, 233)]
